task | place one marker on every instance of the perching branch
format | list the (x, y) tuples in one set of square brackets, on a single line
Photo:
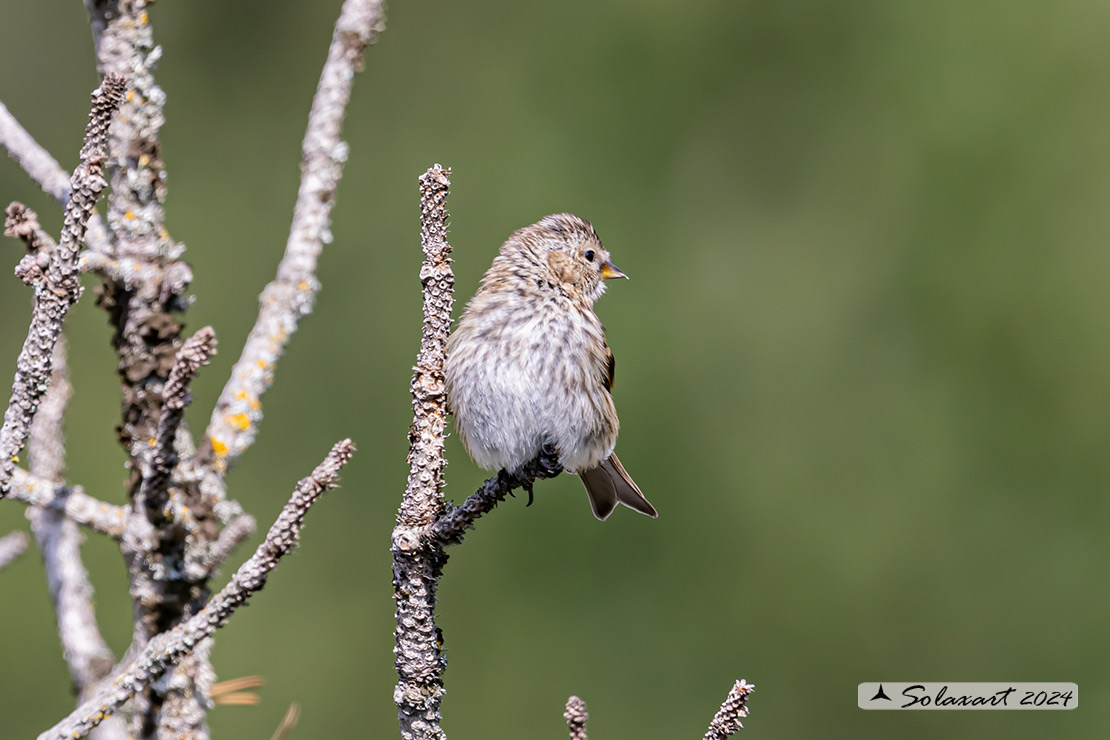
[(417, 562), (86, 653), (11, 547), (168, 648), (727, 720), (61, 288), (290, 296)]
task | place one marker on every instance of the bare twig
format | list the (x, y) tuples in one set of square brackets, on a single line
[(194, 354), (45, 171), (168, 648), (449, 528), (288, 722), (230, 537), (61, 288), (11, 547), (34, 160), (727, 720), (290, 296), (23, 224), (86, 653), (72, 501), (576, 716), (417, 561), (133, 274)]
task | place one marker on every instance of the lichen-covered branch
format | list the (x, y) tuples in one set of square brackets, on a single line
[(86, 653), (45, 171), (727, 720), (417, 561), (11, 547), (60, 288), (290, 296), (194, 354), (22, 223), (35, 161), (72, 501), (169, 648), (576, 716), (235, 533)]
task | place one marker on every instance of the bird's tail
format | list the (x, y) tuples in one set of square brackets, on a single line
[(610, 484)]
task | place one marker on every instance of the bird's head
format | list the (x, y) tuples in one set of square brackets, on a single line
[(567, 250)]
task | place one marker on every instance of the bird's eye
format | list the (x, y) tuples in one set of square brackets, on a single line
[(589, 255)]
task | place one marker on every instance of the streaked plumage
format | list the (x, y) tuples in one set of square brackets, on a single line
[(528, 364)]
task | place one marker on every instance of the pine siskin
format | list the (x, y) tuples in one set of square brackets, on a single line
[(528, 368)]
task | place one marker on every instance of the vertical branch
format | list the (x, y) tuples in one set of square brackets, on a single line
[(417, 561), (727, 720), (60, 288), (576, 716), (86, 653), (291, 294), (157, 548)]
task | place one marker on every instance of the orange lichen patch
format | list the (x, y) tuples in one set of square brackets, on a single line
[(218, 447), (144, 18), (130, 95), (130, 216), (151, 442), (303, 285), (239, 421), (262, 364), (255, 404)]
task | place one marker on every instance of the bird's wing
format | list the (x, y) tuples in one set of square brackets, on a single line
[(610, 373)]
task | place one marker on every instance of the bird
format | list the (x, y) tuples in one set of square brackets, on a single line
[(528, 371)]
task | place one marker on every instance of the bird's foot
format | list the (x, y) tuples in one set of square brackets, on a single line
[(549, 465)]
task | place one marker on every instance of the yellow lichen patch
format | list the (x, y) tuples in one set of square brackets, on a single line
[(130, 216), (130, 95), (219, 447), (144, 160), (151, 442), (239, 421), (262, 364), (255, 404), (144, 18), (303, 285), (15, 458)]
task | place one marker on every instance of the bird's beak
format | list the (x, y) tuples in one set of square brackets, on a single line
[(609, 271)]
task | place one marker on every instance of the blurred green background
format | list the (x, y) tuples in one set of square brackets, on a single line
[(865, 370)]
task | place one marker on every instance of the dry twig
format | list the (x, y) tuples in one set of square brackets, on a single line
[(86, 653), (11, 547), (72, 501), (168, 648), (291, 294), (576, 716), (60, 288), (727, 720)]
